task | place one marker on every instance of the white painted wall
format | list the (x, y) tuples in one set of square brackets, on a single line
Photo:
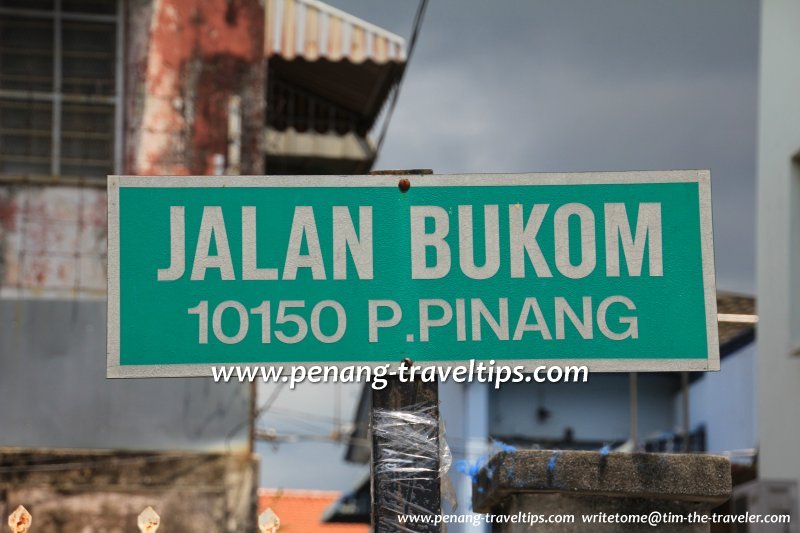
[(778, 235), (54, 392), (725, 403)]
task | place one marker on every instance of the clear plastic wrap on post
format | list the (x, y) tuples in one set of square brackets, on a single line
[(410, 456)]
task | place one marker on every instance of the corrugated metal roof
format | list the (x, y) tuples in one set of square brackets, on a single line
[(313, 30)]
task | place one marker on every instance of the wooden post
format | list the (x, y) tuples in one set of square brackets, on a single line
[(634, 409), (685, 411), (395, 491)]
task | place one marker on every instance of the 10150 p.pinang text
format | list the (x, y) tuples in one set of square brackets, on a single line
[(292, 321)]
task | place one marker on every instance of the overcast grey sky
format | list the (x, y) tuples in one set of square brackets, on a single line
[(569, 85)]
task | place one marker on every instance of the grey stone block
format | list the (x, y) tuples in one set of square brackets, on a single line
[(578, 482)]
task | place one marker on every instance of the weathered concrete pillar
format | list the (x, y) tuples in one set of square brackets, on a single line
[(622, 491)]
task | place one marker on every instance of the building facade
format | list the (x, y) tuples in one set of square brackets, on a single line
[(90, 88), (779, 242)]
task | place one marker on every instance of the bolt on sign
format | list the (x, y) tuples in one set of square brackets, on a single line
[(610, 270)]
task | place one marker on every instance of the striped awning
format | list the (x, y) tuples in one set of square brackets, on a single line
[(312, 30)]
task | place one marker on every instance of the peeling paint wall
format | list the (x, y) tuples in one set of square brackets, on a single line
[(52, 242), (186, 59), (89, 491), (184, 62)]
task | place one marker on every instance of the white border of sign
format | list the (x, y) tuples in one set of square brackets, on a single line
[(702, 177)]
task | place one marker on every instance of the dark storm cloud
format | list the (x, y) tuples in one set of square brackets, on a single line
[(586, 85)]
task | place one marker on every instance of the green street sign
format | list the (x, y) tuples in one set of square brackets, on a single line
[(614, 271)]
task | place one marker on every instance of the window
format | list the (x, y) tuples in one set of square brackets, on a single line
[(60, 89)]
